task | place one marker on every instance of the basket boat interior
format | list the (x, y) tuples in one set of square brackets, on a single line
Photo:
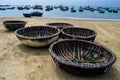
[(42, 31), (81, 52), (14, 22), (60, 25), (79, 32)]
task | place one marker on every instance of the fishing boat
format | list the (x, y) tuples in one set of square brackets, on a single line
[(2, 8), (20, 8), (92, 9), (101, 11), (80, 10), (27, 14), (110, 10), (27, 7), (47, 9), (39, 14), (115, 11), (11, 8), (73, 10), (38, 7)]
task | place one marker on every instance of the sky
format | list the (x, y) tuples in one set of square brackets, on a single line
[(106, 3)]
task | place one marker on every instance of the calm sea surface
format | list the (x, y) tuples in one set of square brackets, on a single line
[(55, 13)]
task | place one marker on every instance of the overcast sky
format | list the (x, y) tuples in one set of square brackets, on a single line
[(112, 3)]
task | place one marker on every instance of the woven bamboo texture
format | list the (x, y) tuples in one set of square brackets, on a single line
[(60, 25), (14, 25), (78, 33), (82, 57), (37, 36)]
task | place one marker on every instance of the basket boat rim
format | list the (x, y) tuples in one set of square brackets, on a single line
[(40, 37), (53, 24), (78, 36), (87, 66), (14, 22)]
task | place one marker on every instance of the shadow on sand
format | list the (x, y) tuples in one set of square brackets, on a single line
[(34, 51), (7, 31)]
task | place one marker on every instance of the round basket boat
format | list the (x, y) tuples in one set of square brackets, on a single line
[(60, 25), (14, 24), (78, 33), (37, 36), (81, 57)]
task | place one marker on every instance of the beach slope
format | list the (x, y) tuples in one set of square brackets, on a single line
[(18, 62)]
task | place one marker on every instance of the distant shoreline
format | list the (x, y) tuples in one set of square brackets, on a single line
[(72, 18), (91, 19)]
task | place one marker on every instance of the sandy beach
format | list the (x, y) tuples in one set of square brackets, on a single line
[(18, 62)]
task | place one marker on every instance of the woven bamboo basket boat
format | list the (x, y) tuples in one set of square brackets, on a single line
[(82, 57), (13, 25), (37, 36), (60, 25), (78, 33)]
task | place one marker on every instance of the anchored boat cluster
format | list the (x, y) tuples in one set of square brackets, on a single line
[(39, 9)]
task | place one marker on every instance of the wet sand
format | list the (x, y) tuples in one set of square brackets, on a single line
[(18, 62)]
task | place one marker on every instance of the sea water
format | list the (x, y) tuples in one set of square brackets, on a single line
[(57, 13)]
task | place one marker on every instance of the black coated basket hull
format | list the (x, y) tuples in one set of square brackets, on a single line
[(14, 25), (82, 57)]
